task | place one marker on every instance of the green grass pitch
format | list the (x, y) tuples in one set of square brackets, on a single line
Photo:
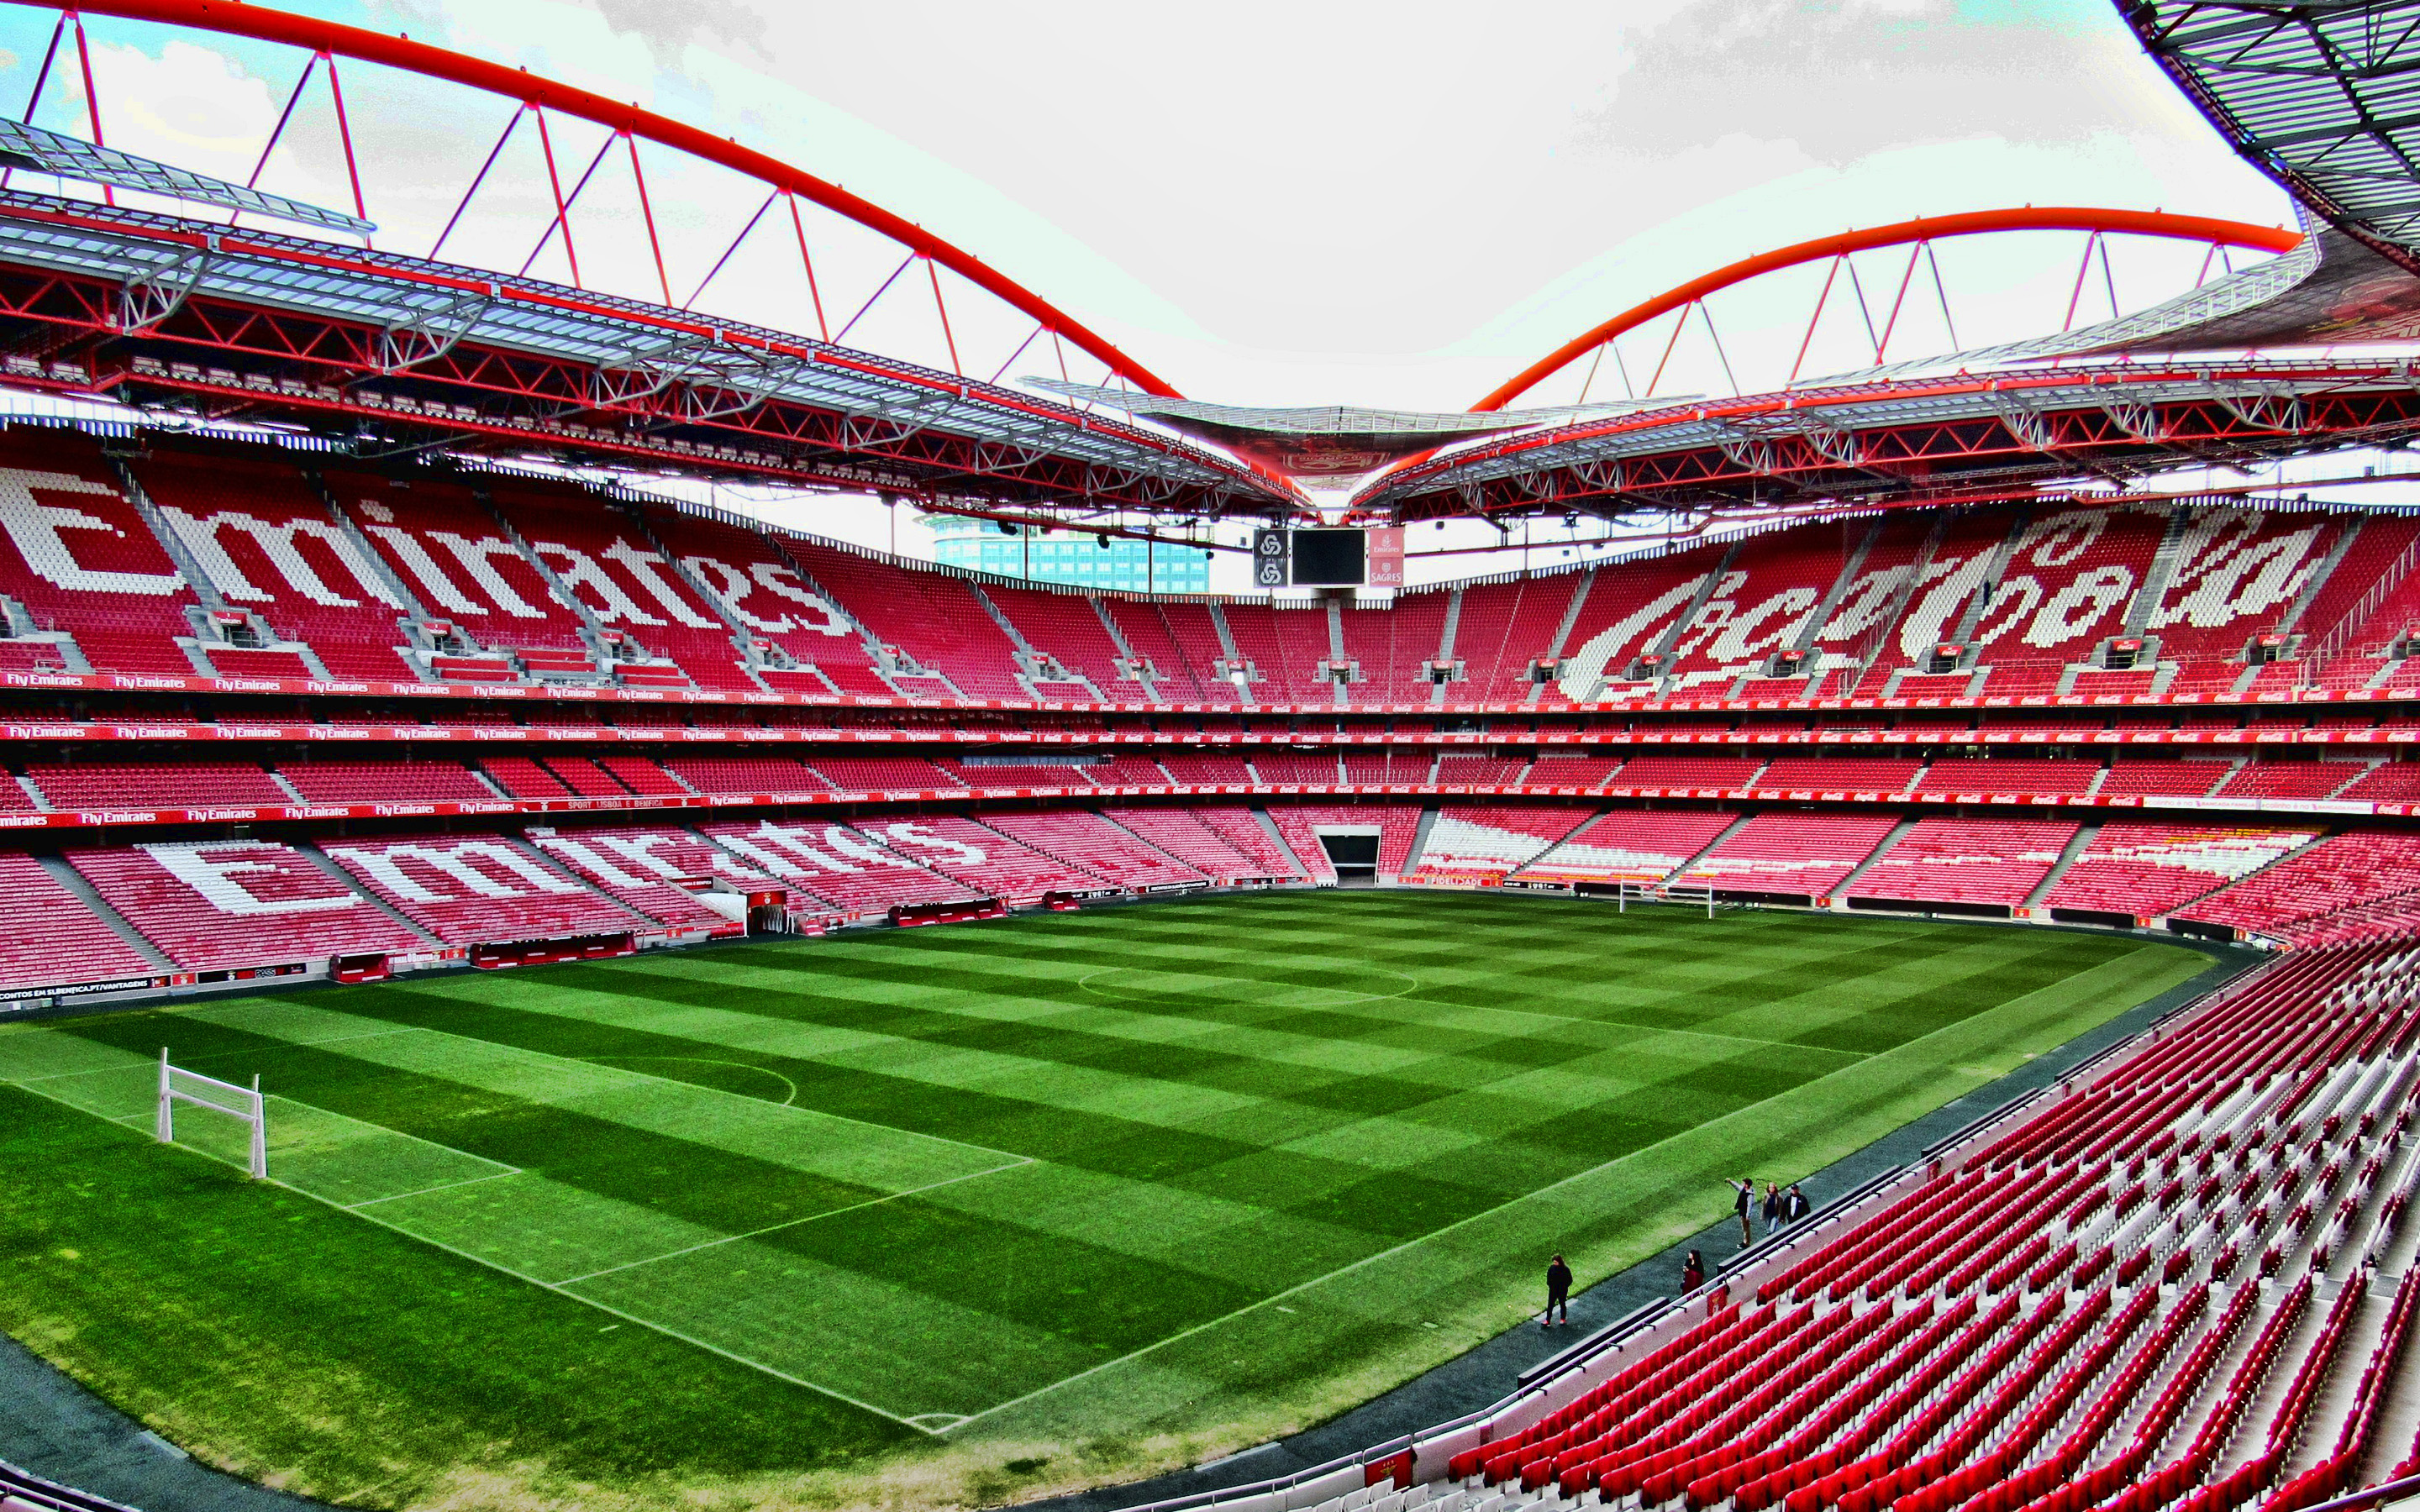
[(956, 1214)]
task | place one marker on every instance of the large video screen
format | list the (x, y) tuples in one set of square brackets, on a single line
[(1327, 559)]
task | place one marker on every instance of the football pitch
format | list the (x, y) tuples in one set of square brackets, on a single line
[(1095, 1192)]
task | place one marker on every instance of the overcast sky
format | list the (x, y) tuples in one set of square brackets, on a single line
[(1291, 202), (1298, 202)]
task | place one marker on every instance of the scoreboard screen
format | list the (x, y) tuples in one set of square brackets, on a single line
[(1328, 559)]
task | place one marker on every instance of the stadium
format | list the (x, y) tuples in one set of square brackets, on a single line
[(528, 984)]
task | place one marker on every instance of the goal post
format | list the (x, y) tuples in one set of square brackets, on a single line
[(244, 1103)]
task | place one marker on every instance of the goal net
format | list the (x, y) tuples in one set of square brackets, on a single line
[(244, 1103)]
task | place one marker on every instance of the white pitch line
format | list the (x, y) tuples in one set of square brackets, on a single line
[(813, 1217), (650, 1324), (441, 1186), (670, 1081)]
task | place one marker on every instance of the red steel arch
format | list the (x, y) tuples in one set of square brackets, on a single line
[(262, 24), (1904, 233)]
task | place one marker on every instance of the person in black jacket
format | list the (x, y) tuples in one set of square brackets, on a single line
[(1744, 1204), (1795, 1208), (1558, 1292), (1772, 1209)]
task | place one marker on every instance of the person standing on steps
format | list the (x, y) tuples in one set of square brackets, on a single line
[(1746, 1190), (1772, 1209), (1558, 1292)]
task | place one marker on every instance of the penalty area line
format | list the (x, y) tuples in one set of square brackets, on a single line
[(441, 1186), (813, 1217), (649, 1323), (917, 1423)]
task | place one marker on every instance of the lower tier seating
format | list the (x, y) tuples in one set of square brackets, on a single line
[(1630, 846), (633, 868), (1490, 840), (237, 904), (1997, 861), (467, 889), (2181, 1279), (1184, 835), (1095, 846), (52, 939), (2148, 870), (1799, 855), (234, 904)]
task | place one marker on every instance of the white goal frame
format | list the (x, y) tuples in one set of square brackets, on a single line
[(1626, 893), (254, 1111)]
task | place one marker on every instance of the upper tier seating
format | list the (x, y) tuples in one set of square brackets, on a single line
[(2001, 774), (1504, 630), (938, 621), (1180, 643), (770, 774), (52, 939), (107, 784), (1966, 861), (2139, 778), (1088, 844), (1716, 773), (1064, 627), (1476, 840), (1630, 846), (1623, 617), (763, 589), (2234, 569), (1772, 587), (1285, 647), (555, 580), (216, 905), (468, 889), (264, 537), (2149, 869), (451, 553), (1394, 646), (435, 780), (1853, 774), (2066, 587), (1207, 768), (2347, 887), (2292, 779), (600, 553), (80, 557), (1800, 855), (884, 774), (1552, 769)]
